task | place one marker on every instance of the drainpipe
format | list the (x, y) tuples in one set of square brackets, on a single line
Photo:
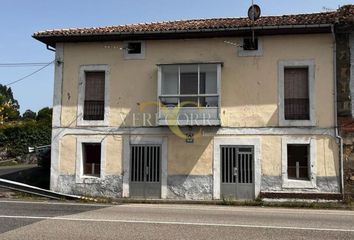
[(335, 110)]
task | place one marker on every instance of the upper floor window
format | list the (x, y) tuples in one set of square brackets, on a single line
[(296, 93), (250, 44), (134, 50), (93, 95), (250, 47), (190, 86)]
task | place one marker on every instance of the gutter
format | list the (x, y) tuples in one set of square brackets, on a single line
[(337, 135), (52, 36), (275, 27)]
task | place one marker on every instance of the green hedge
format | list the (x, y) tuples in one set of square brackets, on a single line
[(16, 138)]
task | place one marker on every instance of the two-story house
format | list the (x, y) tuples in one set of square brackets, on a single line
[(196, 109)]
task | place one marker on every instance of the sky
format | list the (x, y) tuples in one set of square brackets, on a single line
[(19, 19)]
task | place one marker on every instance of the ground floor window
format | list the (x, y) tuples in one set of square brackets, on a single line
[(91, 156), (298, 161)]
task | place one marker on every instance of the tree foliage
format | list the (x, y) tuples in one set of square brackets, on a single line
[(9, 107), (29, 114), (17, 136), (16, 133)]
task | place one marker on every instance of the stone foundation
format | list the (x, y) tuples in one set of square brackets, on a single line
[(190, 187), (184, 187), (323, 184), (110, 186)]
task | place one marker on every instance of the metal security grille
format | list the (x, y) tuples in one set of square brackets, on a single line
[(145, 163), (245, 168), (145, 171), (228, 158), (237, 174), (237, 165)]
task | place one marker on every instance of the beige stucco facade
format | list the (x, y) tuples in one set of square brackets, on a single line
[(249, 85), (249, 111), (197, 158)]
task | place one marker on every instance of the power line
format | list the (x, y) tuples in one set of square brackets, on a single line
[(23, 78), (28, 64)]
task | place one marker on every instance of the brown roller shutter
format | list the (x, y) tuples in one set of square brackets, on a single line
[(296, 94)]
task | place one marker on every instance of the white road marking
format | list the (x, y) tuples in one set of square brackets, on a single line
[(181, 223), (243, 209), (200, 208), (59, 203)]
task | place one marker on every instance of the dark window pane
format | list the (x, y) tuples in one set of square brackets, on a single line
[(189, 83), (298, 161), (249, 44), (92, 158), (134, 48), (296, 94), (94, 96), (189, 101)]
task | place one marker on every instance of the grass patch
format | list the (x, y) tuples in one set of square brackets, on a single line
[(8, 163)]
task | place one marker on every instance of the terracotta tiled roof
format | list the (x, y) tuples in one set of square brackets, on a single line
[(199, 25)]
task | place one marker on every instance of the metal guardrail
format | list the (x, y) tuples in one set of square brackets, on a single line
[(38, 148), (36, 191)]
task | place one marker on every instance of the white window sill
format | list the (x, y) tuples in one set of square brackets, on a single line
[(297, 123), (98, 123), (87, 179), (290, 183)]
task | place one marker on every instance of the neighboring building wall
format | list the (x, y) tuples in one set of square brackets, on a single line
[(344, 88), (347, 66)]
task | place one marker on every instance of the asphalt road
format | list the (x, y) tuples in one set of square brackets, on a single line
[(25, 220), (4, 170)]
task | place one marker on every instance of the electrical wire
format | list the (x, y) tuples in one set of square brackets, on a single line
[(28, 64), (31, 74)]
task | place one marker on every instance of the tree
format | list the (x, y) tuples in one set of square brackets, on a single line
[(45, 115), (29, 114), (9, 107)]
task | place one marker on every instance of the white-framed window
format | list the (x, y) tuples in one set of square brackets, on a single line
[(299, 162), (90, 159), (193, 89), (134, 50), (296, 93), (93, 95), (250, 47)]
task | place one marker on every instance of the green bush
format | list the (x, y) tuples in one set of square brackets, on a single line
[(19, 136)]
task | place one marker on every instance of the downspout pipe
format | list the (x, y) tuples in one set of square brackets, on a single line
[(336, 130)]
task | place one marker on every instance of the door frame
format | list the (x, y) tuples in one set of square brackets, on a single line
[(225, 141), (144, 140)]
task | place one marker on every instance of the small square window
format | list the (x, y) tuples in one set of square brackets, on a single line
[(134, 48), (91, 155), (250, 44), (298, 161)]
